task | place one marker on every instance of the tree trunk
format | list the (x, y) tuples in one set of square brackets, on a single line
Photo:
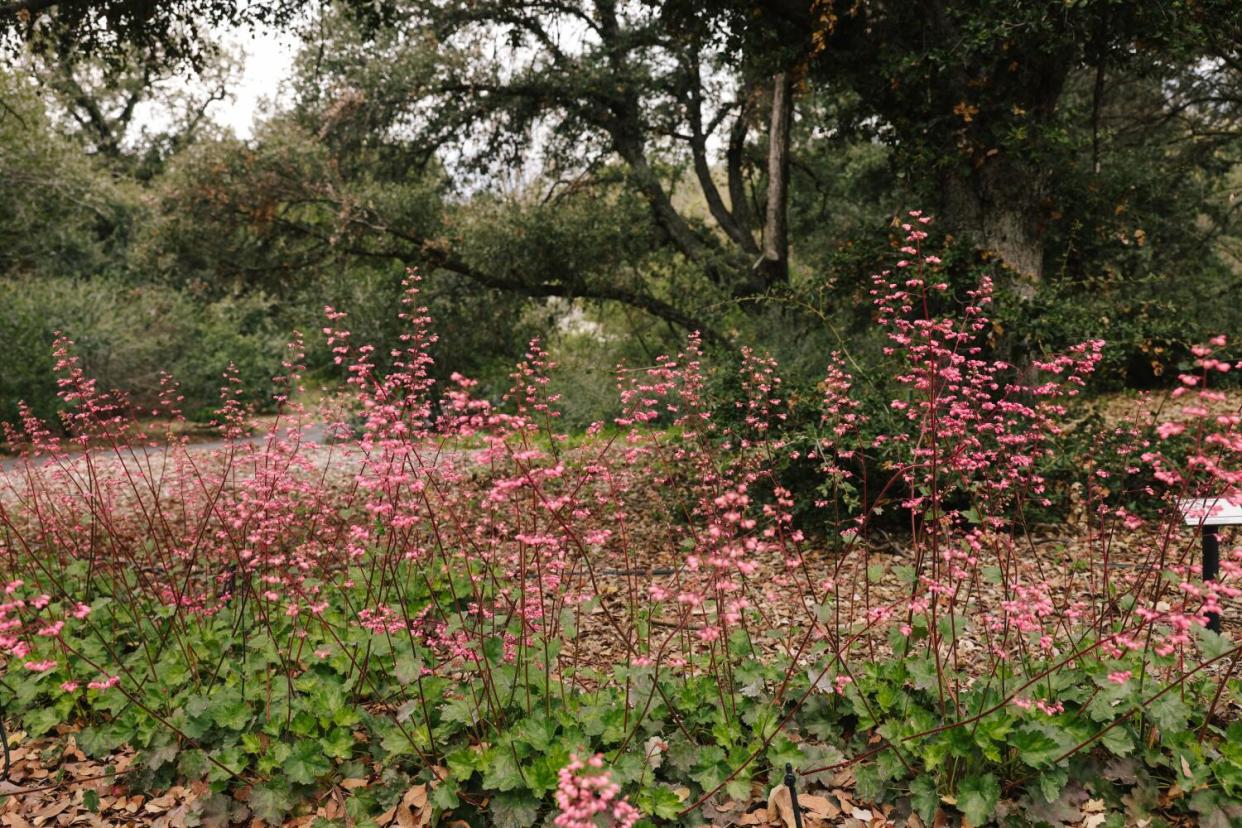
[(996, 207), (774, 266)]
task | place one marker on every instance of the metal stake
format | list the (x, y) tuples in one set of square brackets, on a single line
[(1211, 567), (791, 786)]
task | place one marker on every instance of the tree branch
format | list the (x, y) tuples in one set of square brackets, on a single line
[(656, 307), (703, 171), (739, 203), (774, 266)]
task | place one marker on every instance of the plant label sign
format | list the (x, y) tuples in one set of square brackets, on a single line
[(1212, 511)]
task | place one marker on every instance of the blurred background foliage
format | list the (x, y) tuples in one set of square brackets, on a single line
[(610, 177)]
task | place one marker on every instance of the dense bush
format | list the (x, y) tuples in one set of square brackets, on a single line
[(128, 336)]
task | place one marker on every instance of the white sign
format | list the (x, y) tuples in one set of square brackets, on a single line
[(1225, 510)]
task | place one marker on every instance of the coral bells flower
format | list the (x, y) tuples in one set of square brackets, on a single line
[(52, 630), (581, 797)]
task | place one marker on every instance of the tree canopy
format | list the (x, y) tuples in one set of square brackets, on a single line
[(731, 168)]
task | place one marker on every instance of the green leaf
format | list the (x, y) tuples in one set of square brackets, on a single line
[(40, 720), (494, 650), (924, 797), (1229, 775), (228, 761), (739, 786), (977, 798), (104, 738), (230, 712), (1051, 783), (306, 763), (1213, 645), (923, 672), (157, 757), (462, 711), (346, 717), (513, 810), (463, 762), (396, 742), (535, 731), (543, 773), (339, 744), (784, 750), (90, 798), (1169, 713), (1118, 741), (502, 772), (1035, 748), (270, 803), (659, 801), (870, 782), (444, 796), (304, 724), (193, 763), (407, 669)]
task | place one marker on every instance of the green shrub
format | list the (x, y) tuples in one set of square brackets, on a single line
[(127, 337)]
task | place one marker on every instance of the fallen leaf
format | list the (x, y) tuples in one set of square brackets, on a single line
[(160, 804), (413, 811), (51, 810), (780, 807), (820, 807)]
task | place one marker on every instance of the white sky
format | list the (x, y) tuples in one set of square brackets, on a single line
[(268, 59)]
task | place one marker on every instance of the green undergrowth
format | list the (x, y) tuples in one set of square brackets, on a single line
[(306, 705)]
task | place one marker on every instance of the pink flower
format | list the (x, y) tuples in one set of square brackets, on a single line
[(104, 684), (581, 797), (1167, 430), (69, 686), (52, 630), (1120, 676), (40, 666)]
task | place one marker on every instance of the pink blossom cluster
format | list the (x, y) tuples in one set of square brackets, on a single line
[(586, 797)]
